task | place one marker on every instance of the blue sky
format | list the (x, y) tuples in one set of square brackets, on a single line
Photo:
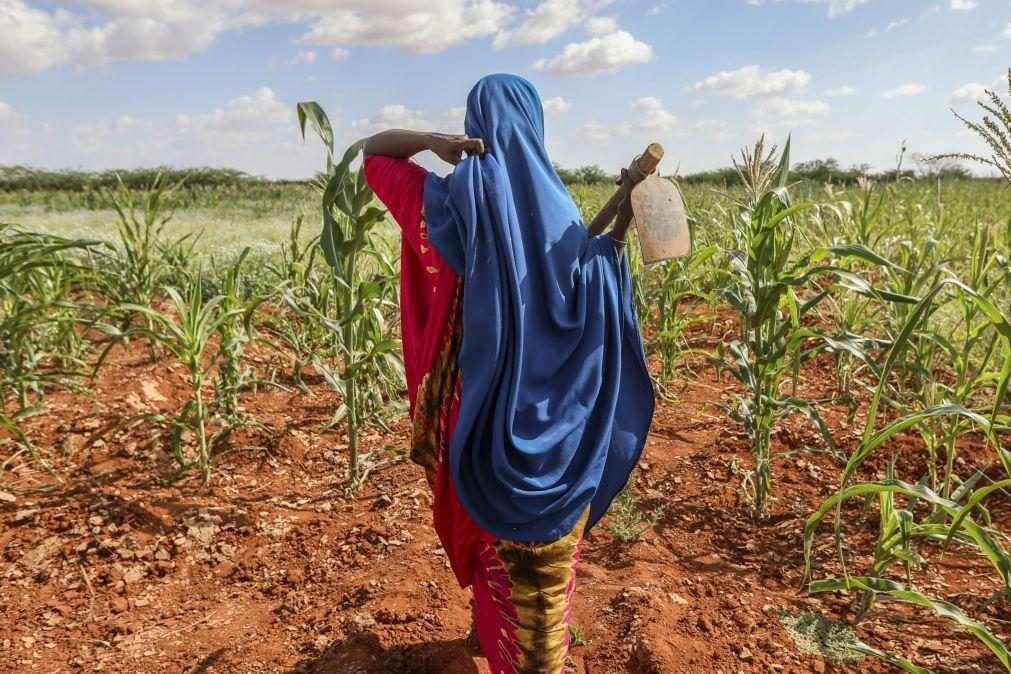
[(120, 83)]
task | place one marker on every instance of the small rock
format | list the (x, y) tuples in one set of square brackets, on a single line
[(744, 654), (225, 569), (7, 498), (120, 605), (24, 515), (677, 599), (134, 575)]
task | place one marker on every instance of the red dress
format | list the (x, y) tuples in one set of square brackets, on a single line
[(522, 591), (429, 292)]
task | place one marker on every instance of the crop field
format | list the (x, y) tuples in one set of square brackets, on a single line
[(203, 434)]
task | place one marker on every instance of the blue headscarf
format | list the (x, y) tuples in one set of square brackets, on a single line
[(556, 399)]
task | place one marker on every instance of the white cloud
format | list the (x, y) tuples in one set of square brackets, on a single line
[(556, 106), (304, 57), (962, 5), (839, 7), (602, 54), (31, 39), (658, 9), (6, 111), (451, 121), (986, 49), (256, 133), (390, 117), (752, 81), (654, 117), (967, 93), (649, 118), (910, 89), (243, 116), (35, 39), (835, 7), (785, 107), (547, 21), (1007, 32), (399, 116), (844, 90), (601, 25), (594, 130), (892, 25), (421, 28), (142, 39)]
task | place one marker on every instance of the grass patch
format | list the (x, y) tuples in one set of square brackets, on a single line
[(815, 634), (626, 521)]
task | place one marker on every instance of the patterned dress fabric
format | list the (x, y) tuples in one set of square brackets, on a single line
[(522, 591)]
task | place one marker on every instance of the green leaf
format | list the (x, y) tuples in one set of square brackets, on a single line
[(892, 590), (312, 112)]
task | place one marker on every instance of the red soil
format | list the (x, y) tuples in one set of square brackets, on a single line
[(273, 568)]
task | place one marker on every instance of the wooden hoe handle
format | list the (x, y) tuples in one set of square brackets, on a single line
[(641, 166)]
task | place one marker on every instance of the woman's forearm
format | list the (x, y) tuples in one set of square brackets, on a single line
[(622, 224), (402, 144), (620, 230), (398, 143)]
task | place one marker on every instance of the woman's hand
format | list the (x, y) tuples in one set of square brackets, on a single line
[(402, 144), (451, 149)]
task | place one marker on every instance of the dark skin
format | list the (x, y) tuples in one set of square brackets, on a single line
[(401, 144)]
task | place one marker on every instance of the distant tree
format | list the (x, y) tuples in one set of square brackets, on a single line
[(584, 175), (26, 178)]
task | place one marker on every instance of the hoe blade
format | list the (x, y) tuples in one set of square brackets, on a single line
[(660, 219)]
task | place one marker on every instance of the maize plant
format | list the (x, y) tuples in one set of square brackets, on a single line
[(306, 288), (38, 322), (948, 519), (236, 330), (143, 258), (968, 349), (772, 290), (363, 283), (678, 286), (187, 333)]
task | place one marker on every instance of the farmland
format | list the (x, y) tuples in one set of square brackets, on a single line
[(202, 464)]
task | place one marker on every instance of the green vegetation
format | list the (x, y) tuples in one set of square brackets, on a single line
[(363, 284), (899, 284), (625, 519)]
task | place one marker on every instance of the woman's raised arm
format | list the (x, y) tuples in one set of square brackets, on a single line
[(401, 144)]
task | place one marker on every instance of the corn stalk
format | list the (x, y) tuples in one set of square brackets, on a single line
[(362, 284), (772, 291)]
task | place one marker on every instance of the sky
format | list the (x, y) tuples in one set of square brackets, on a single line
[(97, 84)]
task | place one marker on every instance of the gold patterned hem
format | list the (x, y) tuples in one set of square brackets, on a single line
[(430, 432)]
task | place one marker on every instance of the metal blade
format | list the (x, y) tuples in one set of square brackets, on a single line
[(660, 219)]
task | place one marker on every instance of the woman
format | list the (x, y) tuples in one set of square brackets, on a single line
[(528, 387)]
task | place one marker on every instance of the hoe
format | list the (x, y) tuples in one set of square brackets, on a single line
[(657, 209)]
